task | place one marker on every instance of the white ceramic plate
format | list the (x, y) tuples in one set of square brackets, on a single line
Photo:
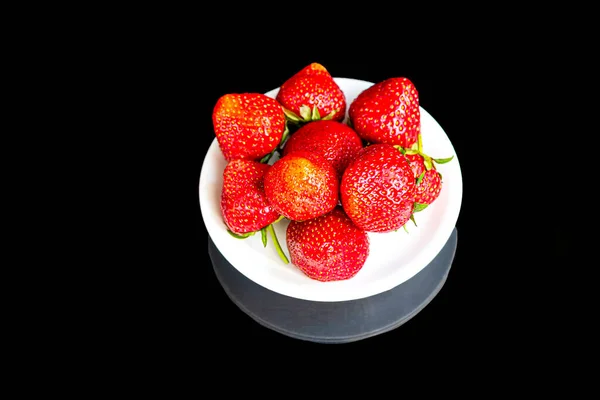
[(394, 257)]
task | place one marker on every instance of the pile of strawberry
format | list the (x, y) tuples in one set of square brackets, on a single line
[(334, 181)]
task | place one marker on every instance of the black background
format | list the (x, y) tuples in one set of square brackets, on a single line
[(141, 84), (479, 295), (470, 89)]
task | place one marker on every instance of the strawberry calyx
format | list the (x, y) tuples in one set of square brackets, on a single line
[(429, 162), (264, 233), (412, 218), (419, 207), (417, 148), (307, 115)]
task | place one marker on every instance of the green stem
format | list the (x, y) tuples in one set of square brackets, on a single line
[(240, 235), (263, 236), (284, 136), (265, 159), (277, 245)]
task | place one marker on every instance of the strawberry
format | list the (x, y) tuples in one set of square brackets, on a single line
[(387, 112), (378, 188), (244, 204), (428, 182), (302, 185), (312, 94), (328, 248), (334, 140), (428, 179), (248, 125)]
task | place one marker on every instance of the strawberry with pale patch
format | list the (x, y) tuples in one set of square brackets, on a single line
[(334, 140), (302, 185), (328, 248), (387, 112), (378, 188), (248, 125), (312, 94), (244, 204)]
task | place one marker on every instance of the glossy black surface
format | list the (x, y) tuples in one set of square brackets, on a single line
[(510, 229)]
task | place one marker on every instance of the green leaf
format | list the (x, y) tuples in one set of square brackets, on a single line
[(443, 160), (329, 117), (411, 151), (412, 218), (266, 158), (419, 207), (263, 236), (405, 228), (240, 235), (305, 113), (315, 114), (284, 136), (291, 115), (420, 178), (440, 175), (415, 146), (419, 143), (428, 163)]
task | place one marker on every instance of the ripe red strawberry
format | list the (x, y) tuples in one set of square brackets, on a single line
[(387, 112), (428, 188), (248, 125), (335, 141), (312, 94), (244, 204), (416, 164), (302, 185), (329, 247), (428, 179), (428, 182), (377, 189)]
